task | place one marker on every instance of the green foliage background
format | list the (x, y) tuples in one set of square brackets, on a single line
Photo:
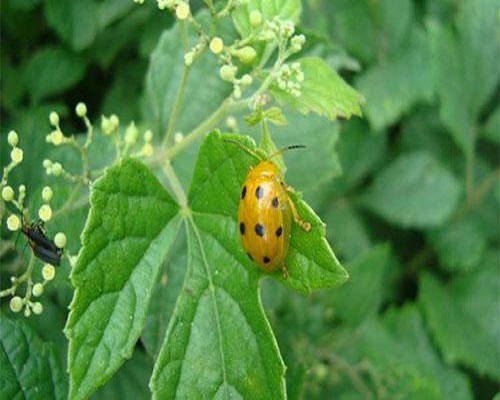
[(410, 193)]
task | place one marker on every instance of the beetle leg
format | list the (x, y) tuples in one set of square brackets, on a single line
[(284, 271), (296, 216)]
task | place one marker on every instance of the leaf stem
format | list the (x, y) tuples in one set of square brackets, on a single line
[(26, 277), (175, 184), (227, 105), (180, 91), (469, 168), (477, 195)]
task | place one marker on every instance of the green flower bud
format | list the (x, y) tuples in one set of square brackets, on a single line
[(16, 304), (13, 138), (255, 18), (8, 193), (227, 72), (246, 55)]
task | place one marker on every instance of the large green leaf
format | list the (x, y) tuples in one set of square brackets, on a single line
[(76, 22), (219, 304), (415, 190), (130, 228), (370, 30), (285, 9), (392, 88), (324, 92), (402, 361), (466, 67), (463, 316), (52, 70), (28, 366)]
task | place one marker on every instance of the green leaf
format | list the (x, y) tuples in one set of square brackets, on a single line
[(272, 114), (370, 30), (52, 70), (130, 228), (285, 9), (76, 22), (324, 92), (220, 303), (361, 297), (460, 244), (29, 369), (402, 360), (463, 316), (392, 88), (466, 67), (415, 190)]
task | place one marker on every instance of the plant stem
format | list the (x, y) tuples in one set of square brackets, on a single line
[(477, 195), (227, 105), (470, 159), (70, 202), (175, 184), (23, 278), (180, 91), (176, 107)]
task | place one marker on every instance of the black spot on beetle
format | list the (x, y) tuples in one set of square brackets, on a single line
[(259, 192), (242, 228), (266, 260), (275, 203), (250, 256), (243, 192), (259, 230), (279, 231)]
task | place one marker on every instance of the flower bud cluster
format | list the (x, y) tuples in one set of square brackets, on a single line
[(109, 125), (16, 154), (19, 220), (290, 77)]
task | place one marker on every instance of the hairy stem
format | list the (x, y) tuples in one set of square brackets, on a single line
[(174, 115), (175, 184), (227, 105)]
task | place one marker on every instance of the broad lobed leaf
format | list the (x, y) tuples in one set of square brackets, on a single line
[(415, 190), (392, 88), (402, 359), (130, 228), (324, 92), (219, 304)]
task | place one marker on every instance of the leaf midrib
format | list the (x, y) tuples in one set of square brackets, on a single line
[(211, 288)]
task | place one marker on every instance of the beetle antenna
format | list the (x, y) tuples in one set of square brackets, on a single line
[(245, 148), (291, 147)]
